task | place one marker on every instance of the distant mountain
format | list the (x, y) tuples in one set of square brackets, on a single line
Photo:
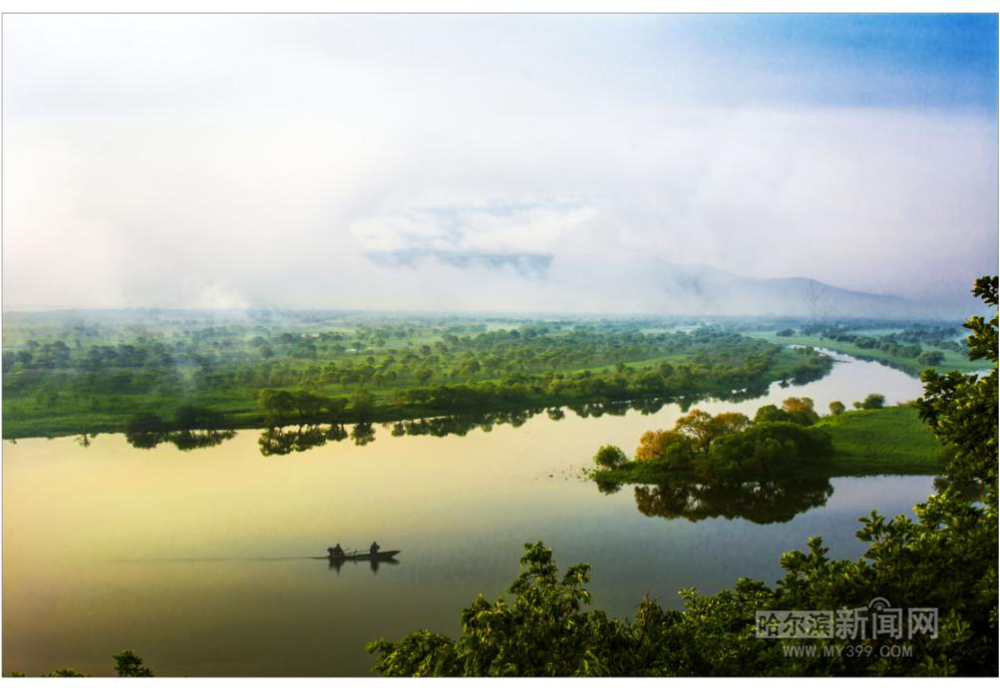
[(711, 291), (642, 283), (648, 284)]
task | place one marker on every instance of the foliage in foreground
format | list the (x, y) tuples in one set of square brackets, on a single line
[(127, 664), (946, 558)]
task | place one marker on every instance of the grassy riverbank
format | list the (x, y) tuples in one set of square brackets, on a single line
[(889, 441)]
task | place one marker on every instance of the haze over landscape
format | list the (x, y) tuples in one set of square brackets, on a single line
[(499, 345), (672, 164)]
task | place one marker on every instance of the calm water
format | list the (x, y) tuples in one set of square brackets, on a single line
[(197, 559)]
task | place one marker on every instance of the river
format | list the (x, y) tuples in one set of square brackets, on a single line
[(198, 559)]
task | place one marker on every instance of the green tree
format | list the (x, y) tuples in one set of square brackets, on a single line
[(764, 449), (770, 413), (144, 423), (872, 401), (962, 408), (837, 408), (671, 447), (931, 358), (729, 423), (698, 425), (363, 405), (542, 631), (197, 417), (128, 664), (277, 403), (609, 457), (309, 404), (800, 410)]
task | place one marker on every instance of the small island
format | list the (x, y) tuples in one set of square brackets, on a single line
[(790, 442)]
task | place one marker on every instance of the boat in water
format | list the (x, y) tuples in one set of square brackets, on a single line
[(363, 556)]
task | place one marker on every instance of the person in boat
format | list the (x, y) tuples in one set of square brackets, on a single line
[(374, 548), (337, 551)]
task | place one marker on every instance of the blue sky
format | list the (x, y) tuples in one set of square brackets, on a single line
[(859, 150), (915, 61)]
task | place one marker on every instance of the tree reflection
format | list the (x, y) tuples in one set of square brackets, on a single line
[(281, 441), (187, 440), (608, 486), (758, 501), (363, 434), (145, 440), (184, 440), (600, 408), (460, 425), (192, 427), (649, 406)]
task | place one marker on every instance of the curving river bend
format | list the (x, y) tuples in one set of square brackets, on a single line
[(194, 559)]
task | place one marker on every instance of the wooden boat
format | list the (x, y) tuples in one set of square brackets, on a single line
[(364, 556)]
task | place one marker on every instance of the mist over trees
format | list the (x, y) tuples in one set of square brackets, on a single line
[(312, 368)]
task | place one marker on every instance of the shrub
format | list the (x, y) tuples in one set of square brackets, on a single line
[(871, 402), (800, 410), (931, 358), (128, 664), (609, 457), (197, 417), (768, 447), (668, 447), (770, 413), (145, 423)]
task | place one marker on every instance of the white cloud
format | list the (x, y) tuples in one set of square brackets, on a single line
[(260, 162), (524, 227)]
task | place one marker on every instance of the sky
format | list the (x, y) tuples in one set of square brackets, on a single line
[(492, 162)]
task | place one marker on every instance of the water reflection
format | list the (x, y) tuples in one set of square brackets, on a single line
[(555, 414), (363, 433), (460, 425), (185, 440), (373, 564), (280, 441), (759, 501)]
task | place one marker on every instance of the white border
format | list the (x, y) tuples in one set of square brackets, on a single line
[(496, 6), (503, 6)]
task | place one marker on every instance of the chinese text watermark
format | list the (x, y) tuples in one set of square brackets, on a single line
[(876, 620)]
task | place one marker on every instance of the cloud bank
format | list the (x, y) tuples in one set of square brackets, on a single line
[(496, 163)]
